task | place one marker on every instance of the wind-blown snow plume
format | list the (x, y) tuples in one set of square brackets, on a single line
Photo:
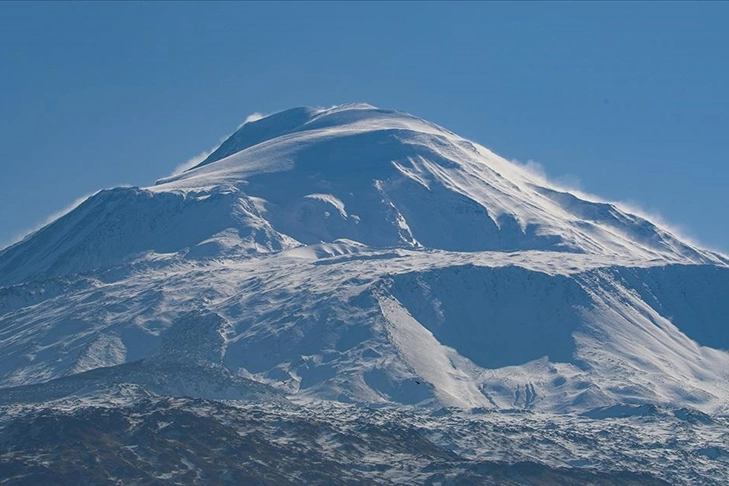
[(21, 235)]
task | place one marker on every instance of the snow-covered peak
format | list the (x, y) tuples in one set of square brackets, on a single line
[(381, 178), (360, 116), (366, 255), (408, 182)]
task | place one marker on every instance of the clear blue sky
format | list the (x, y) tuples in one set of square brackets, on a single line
[(631, 100)]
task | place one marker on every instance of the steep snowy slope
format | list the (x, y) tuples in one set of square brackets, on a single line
[(363, 255)]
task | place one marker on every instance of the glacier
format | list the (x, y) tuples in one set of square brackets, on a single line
[(365, 263)]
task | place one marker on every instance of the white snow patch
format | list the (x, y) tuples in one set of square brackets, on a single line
[(331, 199), (435, 363)]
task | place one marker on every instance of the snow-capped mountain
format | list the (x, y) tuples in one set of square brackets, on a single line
[(362, 256), (301, 177)]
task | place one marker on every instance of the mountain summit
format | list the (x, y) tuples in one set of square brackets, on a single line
[(382, 178), (354, 258)]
